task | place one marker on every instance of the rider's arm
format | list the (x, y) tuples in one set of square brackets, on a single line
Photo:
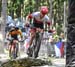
[(7, 35), (47, 20), (19, 32), (49, 23), (28, 19), (30, 16)]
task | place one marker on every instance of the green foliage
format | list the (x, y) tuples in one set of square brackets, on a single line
[(29, 6), (21, 1)]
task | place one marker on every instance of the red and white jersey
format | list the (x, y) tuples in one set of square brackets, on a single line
[(37, 19)]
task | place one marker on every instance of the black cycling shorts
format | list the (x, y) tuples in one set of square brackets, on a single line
[(38, 25)]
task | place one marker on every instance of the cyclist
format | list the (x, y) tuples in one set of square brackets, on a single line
[(13, 33), (39, 18)]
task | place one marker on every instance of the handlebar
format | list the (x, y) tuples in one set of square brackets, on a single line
[(11, 39)]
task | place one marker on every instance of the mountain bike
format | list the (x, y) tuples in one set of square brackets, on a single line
[(33, 50), (13, 48)]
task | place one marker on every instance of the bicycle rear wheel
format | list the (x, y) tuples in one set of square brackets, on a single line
[(14, 53)]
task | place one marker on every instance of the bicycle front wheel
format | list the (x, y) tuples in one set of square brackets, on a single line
[(37, 44)]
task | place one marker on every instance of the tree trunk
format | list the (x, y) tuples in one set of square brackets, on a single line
[(3, 24), (70, 46), (50, 13), (0, 8)]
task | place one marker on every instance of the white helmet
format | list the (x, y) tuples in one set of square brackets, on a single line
[(11, 25)]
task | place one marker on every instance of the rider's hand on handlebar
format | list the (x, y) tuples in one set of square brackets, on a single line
[(51, 31)]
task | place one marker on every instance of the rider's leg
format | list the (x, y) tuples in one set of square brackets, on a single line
[(16, 47), (32, 36)]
